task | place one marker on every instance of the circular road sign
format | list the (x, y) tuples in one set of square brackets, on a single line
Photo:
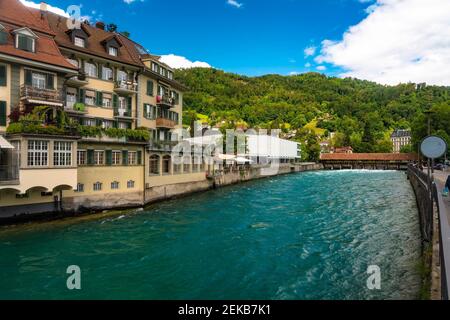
[(433, 147)]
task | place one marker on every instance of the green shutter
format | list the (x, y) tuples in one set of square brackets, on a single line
[(108, 157), (3, 113), (81, 96), (28, 77), (100, 71), (139, 157), (99, 99), (3, 76), (149, 87), (90, 157), (115, 104), (125, 157), (3, 37), (98, 122), (115, 124), (50, 81), (129, 104)]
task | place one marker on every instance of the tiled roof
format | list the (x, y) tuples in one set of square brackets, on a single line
[(14, 15), (368, 157), (401, 133), (95, 41)]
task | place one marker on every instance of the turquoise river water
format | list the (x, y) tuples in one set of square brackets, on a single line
[(300, 236)]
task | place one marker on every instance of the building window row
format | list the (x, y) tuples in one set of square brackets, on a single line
[(38, 153), (109, 157), (98, 186)]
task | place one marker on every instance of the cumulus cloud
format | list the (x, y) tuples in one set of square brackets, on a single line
[(234, 3), (321, 68), (179, 62), (310, 51), (399, 41), (50, 8)]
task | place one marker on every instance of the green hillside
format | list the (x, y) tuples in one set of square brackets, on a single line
[(361, 113)]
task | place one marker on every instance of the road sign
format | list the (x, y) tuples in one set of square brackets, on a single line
[(433, 147)]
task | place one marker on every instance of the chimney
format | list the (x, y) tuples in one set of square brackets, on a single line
[(100, 25)]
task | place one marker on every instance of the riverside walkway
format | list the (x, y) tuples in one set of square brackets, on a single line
[(440, 177)]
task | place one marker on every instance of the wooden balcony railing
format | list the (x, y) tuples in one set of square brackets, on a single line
[(32, 93), (165, 123)]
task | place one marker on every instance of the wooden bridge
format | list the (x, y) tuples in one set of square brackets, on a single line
[(371, 161)]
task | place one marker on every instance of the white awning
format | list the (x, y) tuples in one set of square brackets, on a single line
[(4, 144), (45, 103)]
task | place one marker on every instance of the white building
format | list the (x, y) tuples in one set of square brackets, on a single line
[(400, 139)]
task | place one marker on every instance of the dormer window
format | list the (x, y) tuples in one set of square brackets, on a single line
[(25, 39), (113, 51), (79, 42)]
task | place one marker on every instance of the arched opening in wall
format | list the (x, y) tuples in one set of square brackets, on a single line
[(166, 164), (154, 164)]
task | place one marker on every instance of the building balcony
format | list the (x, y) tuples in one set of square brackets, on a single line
[(161, 145), (165, 100), (165, 123), (77, 81), (123, 113), (34, 95), (75, 107), (125, 87), (9, 175)]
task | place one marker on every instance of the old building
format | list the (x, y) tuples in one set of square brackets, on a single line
[(400, 139)]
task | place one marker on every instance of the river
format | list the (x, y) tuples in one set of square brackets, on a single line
[(299, 236)]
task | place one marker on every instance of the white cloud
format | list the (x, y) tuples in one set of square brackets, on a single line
[(399, 41), (308, 65), (321, 68), (310, 51), (234, 3), (294, 73), (50, 8), (179, 62)]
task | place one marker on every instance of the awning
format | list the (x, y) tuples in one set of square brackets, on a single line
[(243, 160), (45, 103), (4, 144)]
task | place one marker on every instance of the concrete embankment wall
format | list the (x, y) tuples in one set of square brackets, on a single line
[(92, 203)]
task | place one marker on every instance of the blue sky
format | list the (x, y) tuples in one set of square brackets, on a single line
[(391, 41)]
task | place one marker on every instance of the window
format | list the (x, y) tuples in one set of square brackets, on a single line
[(37, 153), (113, 51), (89, 122), (99, 158), (155, 67), (80, 42), (25, 43), (107, 124), (149, 87), (71, 97), (170, 75), (124, 125), (132, 158), (122, 76), (106, 102), (130, 184), (81, 157), (116, 158), (149, 111), (80, 188), (114, 185), (107, 74), (97, 186), (73, 62), (16, 152), (90, 69), (62, 154), (3, 76), (3, 35), (90, 97), (154, 164), (38, 80)]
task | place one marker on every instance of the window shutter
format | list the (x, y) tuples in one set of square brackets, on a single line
[(129, 103), (108, 157), (100, 71), (81, 95), (125, 157), (149, 87), (139, 157), (98, 122), (3, 113), (115, 124), (3, 37), (90, 157), (3, 75), (115, 102), (50, 81), (28, 77), (99, 98), (29, 44)]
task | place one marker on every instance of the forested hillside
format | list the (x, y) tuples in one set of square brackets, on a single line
[(361, 113)]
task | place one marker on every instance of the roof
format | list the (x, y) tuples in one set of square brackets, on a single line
[(95, 41), (368, 157), (14, 15), (401, 133)]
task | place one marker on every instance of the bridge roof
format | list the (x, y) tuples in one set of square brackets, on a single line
[(368, 157)]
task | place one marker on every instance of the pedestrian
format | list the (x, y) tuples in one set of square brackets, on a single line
[(447, 187)]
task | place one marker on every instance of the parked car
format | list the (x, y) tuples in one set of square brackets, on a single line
[(439, 166)]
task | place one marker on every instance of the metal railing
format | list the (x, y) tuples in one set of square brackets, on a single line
[(435, 200), (30, 92), (166, 100), (9, 173), (126, 85)]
